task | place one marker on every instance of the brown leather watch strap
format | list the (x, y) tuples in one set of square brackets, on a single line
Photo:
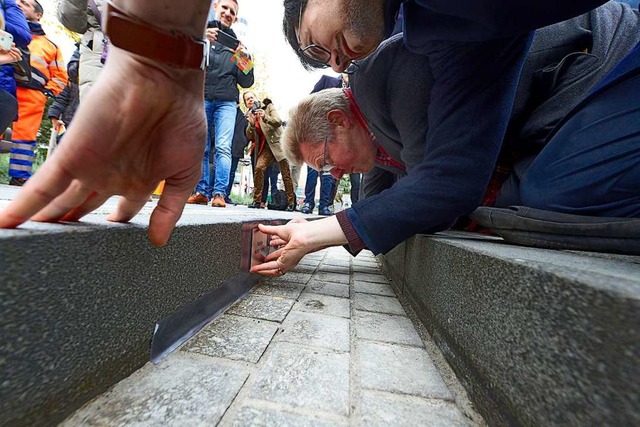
[(169, 47)]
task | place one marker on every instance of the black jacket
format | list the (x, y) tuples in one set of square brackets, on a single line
[(223, 75)]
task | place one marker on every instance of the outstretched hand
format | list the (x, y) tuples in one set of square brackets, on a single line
[(296, 239), (140, 124)]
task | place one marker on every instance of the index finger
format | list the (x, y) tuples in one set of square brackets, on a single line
[(44, 186)]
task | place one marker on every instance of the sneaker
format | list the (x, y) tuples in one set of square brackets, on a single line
[(290, 208), (324, 212), (198, 199), (306, 208), (218, 201), (19, 182), (228, 200), (255, 205)]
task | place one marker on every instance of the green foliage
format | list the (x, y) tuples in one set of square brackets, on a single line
[(344, 186)]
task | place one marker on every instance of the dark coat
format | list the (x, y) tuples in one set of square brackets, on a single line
[(223, 75), (66, 102), (450, 150), (240, 140)]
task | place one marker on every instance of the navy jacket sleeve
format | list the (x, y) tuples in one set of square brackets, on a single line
[(16, 24), (471, 98)]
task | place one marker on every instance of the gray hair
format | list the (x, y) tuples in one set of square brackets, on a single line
[(308, 122)]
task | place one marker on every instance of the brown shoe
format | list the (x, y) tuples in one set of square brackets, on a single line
[(198, 199), (218, 201)]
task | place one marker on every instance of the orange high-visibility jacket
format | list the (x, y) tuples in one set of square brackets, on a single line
[(48, 70)]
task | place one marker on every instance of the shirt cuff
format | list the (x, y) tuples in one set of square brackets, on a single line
[(355, 244)]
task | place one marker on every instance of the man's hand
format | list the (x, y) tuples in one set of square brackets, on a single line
[(212, 34), (296, 239), (141, 123)]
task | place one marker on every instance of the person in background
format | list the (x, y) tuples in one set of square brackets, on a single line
[(48, 78), (223, 76), (238, 145), (65, 104), (15, 23), (84, 17), (265, 130), (270, 183)]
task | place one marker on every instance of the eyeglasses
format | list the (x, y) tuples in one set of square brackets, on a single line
[(326, 166), (312, 53)]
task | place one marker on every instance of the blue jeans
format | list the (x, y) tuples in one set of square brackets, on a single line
[(591, 165), (326, 189), (221, 118)]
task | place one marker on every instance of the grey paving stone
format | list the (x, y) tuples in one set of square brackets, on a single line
[(316, 330), (302, 377), (184, 389), (292, 277), (233, 337), (252, 416), (279, 289), (378, 304), (328, 288), (368, 270), (373, 288), (262, 307), (332, 277), (304, 268), (386, 328), (340, 269), (368, 277), (398, 369), (339, 262), (382, 409), (323, 304)]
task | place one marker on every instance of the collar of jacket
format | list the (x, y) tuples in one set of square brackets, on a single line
[(36, 28)]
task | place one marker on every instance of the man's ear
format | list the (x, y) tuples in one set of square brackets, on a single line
[(337, 118)]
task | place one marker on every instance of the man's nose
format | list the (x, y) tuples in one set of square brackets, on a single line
[(338, 63), (337, 173)]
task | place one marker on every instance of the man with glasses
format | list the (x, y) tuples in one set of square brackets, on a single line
[(459, 124)]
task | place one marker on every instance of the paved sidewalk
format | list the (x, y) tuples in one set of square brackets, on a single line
[(326, 344)]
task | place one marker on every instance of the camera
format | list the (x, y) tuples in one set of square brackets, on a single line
[(256, 106)]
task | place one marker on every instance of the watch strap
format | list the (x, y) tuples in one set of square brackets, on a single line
[(170, 47)]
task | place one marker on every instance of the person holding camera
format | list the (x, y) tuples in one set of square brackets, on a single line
[(223, 75), (264, 131)]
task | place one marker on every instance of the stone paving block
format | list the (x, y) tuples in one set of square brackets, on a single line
[(292, 277), (399, 369), (340, 269), (383, 409), (184, 389), (328, 288), (336, 262), (323, 304), (304, 268), (262, 307), (279, 289), (302, 377), (316, 330), (233, 337), (378, 304), (368, 270), (368, 277), (252, 416), (309, 262), (386, 328), (332, 277), (374, 288)]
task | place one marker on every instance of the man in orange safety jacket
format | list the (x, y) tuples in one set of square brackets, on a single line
[(48, 77)]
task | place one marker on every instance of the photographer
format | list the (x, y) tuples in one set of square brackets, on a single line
[(223, 75), (265, 130)]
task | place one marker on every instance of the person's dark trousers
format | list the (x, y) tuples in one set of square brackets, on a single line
[(270, 181), (310, 187), (591, 164), (8, 109), (328, 187), (232, 173), (355, 187)]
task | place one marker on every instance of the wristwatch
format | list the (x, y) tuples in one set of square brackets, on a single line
[(170, 47)]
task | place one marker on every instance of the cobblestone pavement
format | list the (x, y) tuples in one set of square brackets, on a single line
[(326, 344)]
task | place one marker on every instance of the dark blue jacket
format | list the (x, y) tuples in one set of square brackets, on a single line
[(16, 24), (476, 50)]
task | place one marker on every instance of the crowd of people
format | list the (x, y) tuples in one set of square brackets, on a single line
[(450, 106)]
